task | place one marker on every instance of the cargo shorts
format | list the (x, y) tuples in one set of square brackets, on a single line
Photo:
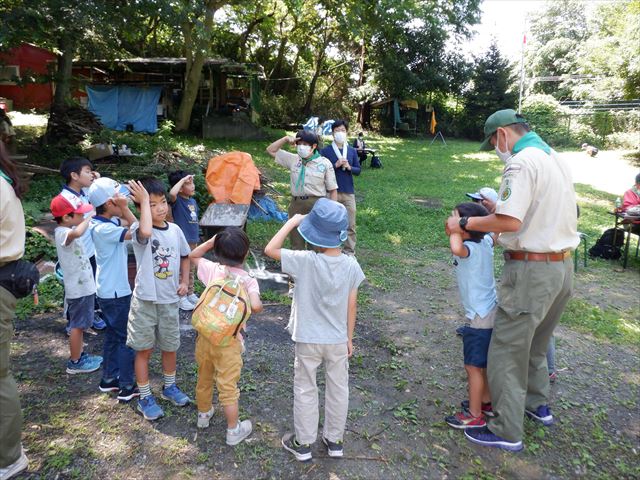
[(153, 324)]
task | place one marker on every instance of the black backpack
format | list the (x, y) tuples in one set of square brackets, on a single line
[(19, 277), (375, 162), (605, 248)]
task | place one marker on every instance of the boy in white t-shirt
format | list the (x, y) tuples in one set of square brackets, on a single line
[(323, 318), (162, 257), (223, 364), (79, 285)]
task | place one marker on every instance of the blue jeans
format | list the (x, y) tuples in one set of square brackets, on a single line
[(117, 359)]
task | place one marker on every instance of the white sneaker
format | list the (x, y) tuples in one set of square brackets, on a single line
[(193, 298), (185, 304), (15, 468), (204, 418), (242, 431)]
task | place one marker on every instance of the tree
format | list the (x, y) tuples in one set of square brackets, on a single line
[(491, 90), (557, 35)]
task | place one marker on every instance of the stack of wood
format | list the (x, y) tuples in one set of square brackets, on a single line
[(71, 124)]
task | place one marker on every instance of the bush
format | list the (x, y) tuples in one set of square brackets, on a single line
[(623, 140)]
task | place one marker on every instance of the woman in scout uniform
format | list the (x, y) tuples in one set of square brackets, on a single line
[(312, 176)]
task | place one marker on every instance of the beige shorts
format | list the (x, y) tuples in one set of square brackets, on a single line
[(153, 324)]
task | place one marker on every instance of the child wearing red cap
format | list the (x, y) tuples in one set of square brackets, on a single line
[(79, 285)]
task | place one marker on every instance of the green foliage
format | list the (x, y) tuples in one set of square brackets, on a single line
[(38, 247), (50, 295), (490, 91)]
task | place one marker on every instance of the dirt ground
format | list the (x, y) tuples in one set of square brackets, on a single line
[(406, 375)]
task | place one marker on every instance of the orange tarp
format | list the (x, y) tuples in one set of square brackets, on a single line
[(232, 178)]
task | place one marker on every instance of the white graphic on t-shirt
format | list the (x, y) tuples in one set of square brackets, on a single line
[(161, 256)]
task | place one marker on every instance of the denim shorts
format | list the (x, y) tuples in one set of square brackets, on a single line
[(80, 311), (476, 346)]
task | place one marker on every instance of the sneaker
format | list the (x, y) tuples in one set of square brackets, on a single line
[(15, 468), (334, 449), (149, 409), (485, 437), (464, 419), (542, 414), (242, 431), (127, 394), (93, 358), (552, 377), (98, 322), (205, 418), (486, 408), (300, 451), (175, 395), (86, 364), (193, 298), (110, 386), (185, 304)]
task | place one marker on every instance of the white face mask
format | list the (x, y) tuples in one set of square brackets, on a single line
[(340, 137), (503, 155), (303, 150)]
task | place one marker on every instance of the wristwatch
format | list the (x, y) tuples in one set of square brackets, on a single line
[(463, 223)]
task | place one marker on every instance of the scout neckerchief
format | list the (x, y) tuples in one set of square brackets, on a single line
[(337, 151), (303, 167), (6, 177), (531, 139)]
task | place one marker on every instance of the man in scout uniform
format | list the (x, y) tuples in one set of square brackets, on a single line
[(536, 217), (312, 176)]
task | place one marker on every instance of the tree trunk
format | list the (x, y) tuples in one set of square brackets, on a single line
[(63, 75), (312, 86), (193, 74)]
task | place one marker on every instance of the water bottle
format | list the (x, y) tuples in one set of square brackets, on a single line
[(618, 204)]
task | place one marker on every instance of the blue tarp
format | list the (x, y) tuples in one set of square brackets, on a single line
[(270, 207), (120, 105)]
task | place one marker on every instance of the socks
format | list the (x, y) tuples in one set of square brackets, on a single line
[(169, 379), (235, 429), (145, 390)]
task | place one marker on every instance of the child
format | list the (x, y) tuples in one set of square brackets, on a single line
[(114, 293), (323, 317), (79, 285), (185, 214), (473, 253), (78, 175), (162, 256), (217, 363)]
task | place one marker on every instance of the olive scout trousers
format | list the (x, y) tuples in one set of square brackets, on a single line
[(531, 300), (10, 413), (349, 202), (301, 205)]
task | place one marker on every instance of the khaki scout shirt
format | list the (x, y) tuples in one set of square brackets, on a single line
[(319, 176), (537, 189), (12, 229)]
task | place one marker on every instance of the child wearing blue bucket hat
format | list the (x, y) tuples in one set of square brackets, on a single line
[(323, 317)]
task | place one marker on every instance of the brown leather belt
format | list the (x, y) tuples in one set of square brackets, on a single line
[(537, 257), (305, 197)]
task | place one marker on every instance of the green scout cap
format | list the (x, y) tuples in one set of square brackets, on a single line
[(501, 118)]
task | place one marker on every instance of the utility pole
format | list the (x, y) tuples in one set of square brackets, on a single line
[(524, 41)]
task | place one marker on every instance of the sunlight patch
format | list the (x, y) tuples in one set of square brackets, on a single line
[(393, 238)]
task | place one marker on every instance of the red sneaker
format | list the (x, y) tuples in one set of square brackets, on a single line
[(486, 408), (464, 419)]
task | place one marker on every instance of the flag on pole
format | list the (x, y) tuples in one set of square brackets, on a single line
[(432, 128)]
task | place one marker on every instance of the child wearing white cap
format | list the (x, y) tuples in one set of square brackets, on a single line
[(323, 317)]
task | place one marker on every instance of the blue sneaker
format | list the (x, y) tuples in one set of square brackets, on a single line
[(149, 409), (485, 437), (175, 395), (86, 364), (98, 322), (94, 358), (542, 414)]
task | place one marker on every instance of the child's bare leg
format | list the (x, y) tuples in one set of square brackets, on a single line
[(476, 389), (169, 362), (231, 414), (486, 394), (75, 344), (142, 366)]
